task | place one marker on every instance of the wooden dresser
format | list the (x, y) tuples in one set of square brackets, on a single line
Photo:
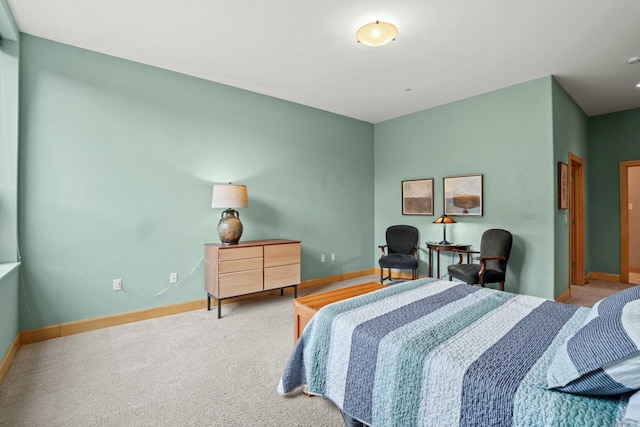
[(250, 267)]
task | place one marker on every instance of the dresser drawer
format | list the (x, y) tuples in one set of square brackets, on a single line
[(284, 254), (285, 275), (244, 282), (239, 265), (240, 253)]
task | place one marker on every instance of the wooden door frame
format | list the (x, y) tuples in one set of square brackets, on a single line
[(624, 218), (576, 198)]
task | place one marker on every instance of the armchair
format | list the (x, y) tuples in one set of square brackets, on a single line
[(400, 252), (495, 248)]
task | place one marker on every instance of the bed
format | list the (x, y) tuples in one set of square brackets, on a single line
[(436, 353)]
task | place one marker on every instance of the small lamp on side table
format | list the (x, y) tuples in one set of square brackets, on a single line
[(444, 220), (229, 196)]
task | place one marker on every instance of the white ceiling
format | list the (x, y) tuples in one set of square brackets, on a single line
[(305, 51)]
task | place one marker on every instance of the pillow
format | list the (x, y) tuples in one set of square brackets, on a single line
[(629, 414), (603, 356)]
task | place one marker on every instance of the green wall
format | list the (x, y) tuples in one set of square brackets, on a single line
[(9, 77), (612, 138), (505, 135), (569, 136), (9, 279), (9, 94), (117, 162)]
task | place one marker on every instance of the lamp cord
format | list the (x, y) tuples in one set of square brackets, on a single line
[(171, 286)]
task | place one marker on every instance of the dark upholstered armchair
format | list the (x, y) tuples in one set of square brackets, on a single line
[(495, 247), (401, 251)]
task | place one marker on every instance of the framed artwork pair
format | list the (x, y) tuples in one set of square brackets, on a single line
[(462, 195)]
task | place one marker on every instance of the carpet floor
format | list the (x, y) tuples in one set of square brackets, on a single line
[(189, 369)]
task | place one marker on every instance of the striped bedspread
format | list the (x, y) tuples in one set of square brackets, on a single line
[(438, 353)]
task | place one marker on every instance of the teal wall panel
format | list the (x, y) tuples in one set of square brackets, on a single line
[(569, 136), (612, 138), (505, 135), (8, 27), (117, 163), (9, 280), (9, 112), (9, 107)]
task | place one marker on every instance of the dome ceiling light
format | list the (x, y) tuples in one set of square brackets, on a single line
[(376, 33)]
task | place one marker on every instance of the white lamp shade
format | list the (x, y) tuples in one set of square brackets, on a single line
[(229, 196)]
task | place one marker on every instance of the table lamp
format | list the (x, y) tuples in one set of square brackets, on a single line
[(229, 196), (444, 220)]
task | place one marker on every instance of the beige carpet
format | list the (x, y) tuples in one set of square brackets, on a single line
[(190, 369)]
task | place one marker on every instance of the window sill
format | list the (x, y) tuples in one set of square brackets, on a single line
[(6, 268)]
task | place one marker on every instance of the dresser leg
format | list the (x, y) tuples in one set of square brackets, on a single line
[(208, 301), (219, 309)]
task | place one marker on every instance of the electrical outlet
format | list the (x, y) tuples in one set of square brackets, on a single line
[(173, 278), (322, 258), (333, 257), (117, 284)]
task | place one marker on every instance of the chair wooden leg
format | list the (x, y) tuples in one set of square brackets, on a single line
[(381, 273), (502, 286)]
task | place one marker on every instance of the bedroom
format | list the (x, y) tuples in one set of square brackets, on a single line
[(121, 187)]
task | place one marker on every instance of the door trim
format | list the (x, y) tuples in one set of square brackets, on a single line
[(624, 218), (576, 201)]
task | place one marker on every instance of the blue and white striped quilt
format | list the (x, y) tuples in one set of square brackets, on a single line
[(438, 353)]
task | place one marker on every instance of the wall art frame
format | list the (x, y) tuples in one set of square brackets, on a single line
[(417, 197), (462, 195), (563, 185)]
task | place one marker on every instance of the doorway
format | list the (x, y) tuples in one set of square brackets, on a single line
[(576, 221), (629, 221)]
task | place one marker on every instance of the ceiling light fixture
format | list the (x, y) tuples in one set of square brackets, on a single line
[(633, 60), (376, 33)]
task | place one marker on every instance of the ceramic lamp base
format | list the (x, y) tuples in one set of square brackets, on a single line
[(230, 227)]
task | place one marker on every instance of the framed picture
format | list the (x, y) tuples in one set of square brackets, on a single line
[(417, 197), (462, 195), (563, 185)]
